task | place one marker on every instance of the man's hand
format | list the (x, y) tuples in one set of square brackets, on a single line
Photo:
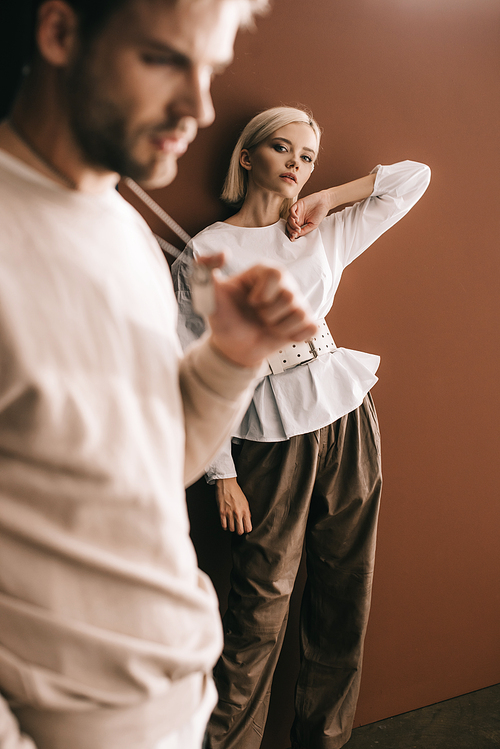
[(256, 313), (233, 506), (307, 214)]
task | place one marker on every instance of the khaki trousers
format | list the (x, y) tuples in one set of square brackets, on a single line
[(321, 490)]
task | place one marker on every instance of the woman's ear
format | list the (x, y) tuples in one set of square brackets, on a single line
[(245, 160), (57, 32)]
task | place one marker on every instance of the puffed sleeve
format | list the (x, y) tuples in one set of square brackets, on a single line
[(223, 466), (211, 389), (396, 190), (190, 326)]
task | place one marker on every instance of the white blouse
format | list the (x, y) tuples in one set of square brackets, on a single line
[(311, 396)]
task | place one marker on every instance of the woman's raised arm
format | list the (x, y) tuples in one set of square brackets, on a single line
[(307, 213)]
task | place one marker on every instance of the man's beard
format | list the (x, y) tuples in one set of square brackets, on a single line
[(100, 126)]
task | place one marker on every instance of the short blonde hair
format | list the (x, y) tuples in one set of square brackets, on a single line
[(255, 132)]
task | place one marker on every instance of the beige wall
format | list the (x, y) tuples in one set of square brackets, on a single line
[(389, 80)]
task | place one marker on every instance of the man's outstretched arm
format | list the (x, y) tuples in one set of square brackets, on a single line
[(256, 313)]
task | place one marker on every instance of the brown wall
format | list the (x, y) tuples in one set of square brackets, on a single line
[(389, 80)]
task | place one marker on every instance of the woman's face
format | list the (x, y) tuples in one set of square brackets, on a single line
[(284, 161)]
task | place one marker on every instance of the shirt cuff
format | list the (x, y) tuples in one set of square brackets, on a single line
[(376, 171), (213, 475), (217, 373)]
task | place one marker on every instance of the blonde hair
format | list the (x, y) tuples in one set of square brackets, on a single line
[(255, 132)]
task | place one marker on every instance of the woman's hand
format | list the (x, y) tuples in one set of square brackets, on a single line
[(307, 214), (234, 509)]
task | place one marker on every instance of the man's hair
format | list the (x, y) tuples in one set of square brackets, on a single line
[(18, 22), (18, 27), (256, 132)]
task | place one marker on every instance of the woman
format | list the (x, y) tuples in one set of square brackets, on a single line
[(304, 464)]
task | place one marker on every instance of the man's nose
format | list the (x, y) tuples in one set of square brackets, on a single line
[(195, 99)]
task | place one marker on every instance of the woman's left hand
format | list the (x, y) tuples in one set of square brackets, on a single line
[(307, 214)]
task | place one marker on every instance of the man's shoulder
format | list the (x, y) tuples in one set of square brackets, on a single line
[(14, 197), (11, 173)]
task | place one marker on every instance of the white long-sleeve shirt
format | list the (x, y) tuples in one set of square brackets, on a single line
[(309, 397), (107, 627)]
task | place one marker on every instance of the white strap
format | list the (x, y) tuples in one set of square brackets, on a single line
[(167, 247), (162, 215)]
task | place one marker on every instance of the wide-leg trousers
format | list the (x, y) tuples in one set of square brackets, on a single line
[(321, 490)]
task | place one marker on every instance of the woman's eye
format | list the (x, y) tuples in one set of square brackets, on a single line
[(279, 147), (307, 158)]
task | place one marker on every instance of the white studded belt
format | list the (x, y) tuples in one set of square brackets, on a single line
[(296, 354)]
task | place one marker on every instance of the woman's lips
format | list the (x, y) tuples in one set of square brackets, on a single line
[(289, 177)]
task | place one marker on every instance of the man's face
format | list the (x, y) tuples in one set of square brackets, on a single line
[(138, 93)]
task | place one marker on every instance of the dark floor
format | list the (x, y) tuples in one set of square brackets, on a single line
[(471, 721)]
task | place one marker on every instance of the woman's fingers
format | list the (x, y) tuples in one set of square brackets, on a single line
[(293, 223), (236, 521), (247, 519), (234, 510)]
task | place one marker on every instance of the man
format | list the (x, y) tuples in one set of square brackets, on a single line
[(109, 631)]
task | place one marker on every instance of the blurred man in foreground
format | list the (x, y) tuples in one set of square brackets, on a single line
[(109, 631)]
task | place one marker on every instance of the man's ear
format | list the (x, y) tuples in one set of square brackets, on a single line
[(57, 32), (245, 160)]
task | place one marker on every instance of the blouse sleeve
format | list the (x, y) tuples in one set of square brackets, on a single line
[(190, 326), (223, 466), (397, 188)]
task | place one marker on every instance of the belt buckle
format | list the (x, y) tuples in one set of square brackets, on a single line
[(312, 349)]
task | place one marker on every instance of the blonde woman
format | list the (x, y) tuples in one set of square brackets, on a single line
[(303, 467)]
